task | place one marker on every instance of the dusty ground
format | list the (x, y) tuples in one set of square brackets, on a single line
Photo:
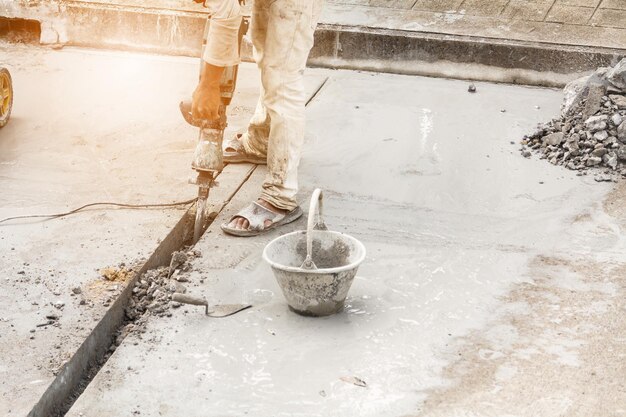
[(514, 264), (493, 284), (86, 127), (556, 346)]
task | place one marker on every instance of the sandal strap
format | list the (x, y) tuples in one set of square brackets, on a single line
[(257, 215), (235, 144)]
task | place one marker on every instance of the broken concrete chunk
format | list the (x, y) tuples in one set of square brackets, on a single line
[(617, 75), (601, 135), (610, 159), (619, 100), (593, 161), (573, 93), (596, 123), (599, 152), (621, 153), (621, 132), (182, 278), (594, 100), (603, 178), (178, 258), (616, 119), (574, 138), (553, 139), (576, 91)]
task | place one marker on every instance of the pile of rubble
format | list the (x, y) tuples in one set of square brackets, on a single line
[(153, 292), (590, 134)]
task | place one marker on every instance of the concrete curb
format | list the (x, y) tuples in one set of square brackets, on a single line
[(453, 56), (178, 32)]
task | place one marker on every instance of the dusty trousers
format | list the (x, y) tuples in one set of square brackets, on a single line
[(282, 37)]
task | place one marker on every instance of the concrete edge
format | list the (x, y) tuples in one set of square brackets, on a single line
[(173, 32), (84, 364), (62, 391), (453, 56)]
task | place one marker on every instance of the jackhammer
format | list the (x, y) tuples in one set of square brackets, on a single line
[(208, 156)]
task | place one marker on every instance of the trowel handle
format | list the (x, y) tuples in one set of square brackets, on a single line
[(315, 222), (187, 299)]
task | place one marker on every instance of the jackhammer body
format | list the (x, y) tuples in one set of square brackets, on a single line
[(208, 159)]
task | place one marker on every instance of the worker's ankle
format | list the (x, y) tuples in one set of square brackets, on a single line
[(270, 206)]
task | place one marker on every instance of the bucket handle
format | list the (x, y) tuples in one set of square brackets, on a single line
[(315, 222)]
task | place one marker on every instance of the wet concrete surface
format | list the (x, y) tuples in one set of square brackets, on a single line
[(455, 223), (87, 126)]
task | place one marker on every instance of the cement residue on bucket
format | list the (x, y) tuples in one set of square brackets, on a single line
[(315, 268), (336, 255)]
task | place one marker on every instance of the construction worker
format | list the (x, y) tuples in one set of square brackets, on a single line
[(282, 37)]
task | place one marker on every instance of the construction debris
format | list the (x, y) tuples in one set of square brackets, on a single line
[(354, 380), (590, 134), (153, 291), (117, 274)]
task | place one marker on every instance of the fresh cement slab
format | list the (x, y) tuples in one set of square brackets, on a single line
[(87, 126), (455, 222)]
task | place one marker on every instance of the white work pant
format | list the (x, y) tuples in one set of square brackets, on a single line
[(282, 36)]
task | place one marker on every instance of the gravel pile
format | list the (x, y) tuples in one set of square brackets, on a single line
[(153, 292), (590, 134)]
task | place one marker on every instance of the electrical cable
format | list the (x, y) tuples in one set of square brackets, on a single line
[(76, 210)]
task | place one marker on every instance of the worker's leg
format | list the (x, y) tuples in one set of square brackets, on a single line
[(256, 137), (282, 41), (288, 41)]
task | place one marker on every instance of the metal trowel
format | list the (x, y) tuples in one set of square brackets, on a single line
[(216, 311)]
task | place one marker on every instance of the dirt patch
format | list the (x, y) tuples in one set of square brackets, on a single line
[(615, 204), (556, 348), (118, 274), (108, 286)]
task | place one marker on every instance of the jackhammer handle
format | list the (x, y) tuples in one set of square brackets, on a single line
[(219, 124)]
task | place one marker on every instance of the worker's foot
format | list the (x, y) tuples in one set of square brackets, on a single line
[(241, 223), (259, 217)]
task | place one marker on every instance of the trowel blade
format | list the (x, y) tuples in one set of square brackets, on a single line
[(226, 310)]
